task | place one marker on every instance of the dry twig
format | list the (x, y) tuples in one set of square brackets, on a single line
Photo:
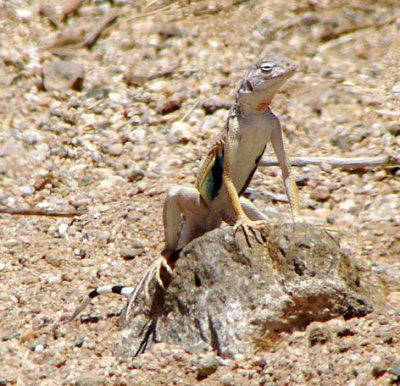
[(40, 212), (70, 7), (337, 162), (95, 32), (335, 34)]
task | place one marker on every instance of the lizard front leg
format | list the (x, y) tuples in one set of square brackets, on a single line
[(251, 211), (240, 218), (278, 144)]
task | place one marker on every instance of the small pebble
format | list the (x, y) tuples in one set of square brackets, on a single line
[(320, 193), (53, 259), (115, 149), (62, 229), (396, 370), (227, 379), (396, 89), (318, 333), (39, 348), (28, 335), (105, 236), (63, 75), (27, 190), (167, 106), (135, 175), (23, 14), (207, 365), (91, 380), (58, 360), (394, 129), (130, 253)]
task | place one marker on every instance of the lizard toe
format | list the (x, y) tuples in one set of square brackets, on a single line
[(250, 228)]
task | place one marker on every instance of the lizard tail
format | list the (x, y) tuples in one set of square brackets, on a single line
[(108, 289)]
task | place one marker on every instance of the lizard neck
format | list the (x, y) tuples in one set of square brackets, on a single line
[(259, 108), (256, 103)]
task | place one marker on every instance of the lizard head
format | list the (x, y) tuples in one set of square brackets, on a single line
[(262, 81)]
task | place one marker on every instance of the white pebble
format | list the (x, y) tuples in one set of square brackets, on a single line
[(39, 348), (158, 86), (396, 89), (27, 190), (62, 229), (115, 97), (23, 14), (139, 135)]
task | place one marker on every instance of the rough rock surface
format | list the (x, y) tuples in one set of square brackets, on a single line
[(226, 295)]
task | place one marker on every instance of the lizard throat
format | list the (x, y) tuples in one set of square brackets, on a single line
[(263, 105)]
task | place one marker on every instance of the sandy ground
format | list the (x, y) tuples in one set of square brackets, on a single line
[(139, 125)]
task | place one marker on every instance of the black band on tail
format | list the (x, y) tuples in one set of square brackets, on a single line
[(117, 289)]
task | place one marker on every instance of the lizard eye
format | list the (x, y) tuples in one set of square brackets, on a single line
[(266, 68)]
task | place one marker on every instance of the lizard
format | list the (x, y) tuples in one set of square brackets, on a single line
[(224, 175)]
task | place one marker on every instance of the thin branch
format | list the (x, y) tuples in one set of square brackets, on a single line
[(268, 195), (388, 112), (40, 212), (70, 7), (95, 32), (150, 13), (332, 35), (337, 162)]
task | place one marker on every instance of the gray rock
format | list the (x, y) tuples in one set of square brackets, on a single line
[(318, 333), (342, 142), (63, 75), (320, 193), (230, 296), (53, 259), (91, 380), (394, 129), (227, 379), (207, 365), (396, 370)]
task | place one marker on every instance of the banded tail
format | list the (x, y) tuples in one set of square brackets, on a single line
[(108, 289)]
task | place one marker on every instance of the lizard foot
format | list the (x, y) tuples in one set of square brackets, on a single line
[(250, 228), (154, 271)]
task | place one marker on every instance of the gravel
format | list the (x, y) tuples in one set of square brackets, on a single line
[(109, 150)]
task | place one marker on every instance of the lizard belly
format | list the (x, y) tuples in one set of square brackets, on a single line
[(255, 133)]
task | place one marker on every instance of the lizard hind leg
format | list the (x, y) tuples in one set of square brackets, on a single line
[(154, 271)]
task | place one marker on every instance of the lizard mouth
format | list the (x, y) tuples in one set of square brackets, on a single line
[(248, 86)]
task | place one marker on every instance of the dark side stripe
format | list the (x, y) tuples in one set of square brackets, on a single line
[(213, 180), (247, 183)]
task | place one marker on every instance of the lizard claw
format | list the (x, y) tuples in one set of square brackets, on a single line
[(250, 227), (154, 271)]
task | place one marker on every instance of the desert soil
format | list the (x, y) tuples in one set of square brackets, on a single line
[(156, 90)]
